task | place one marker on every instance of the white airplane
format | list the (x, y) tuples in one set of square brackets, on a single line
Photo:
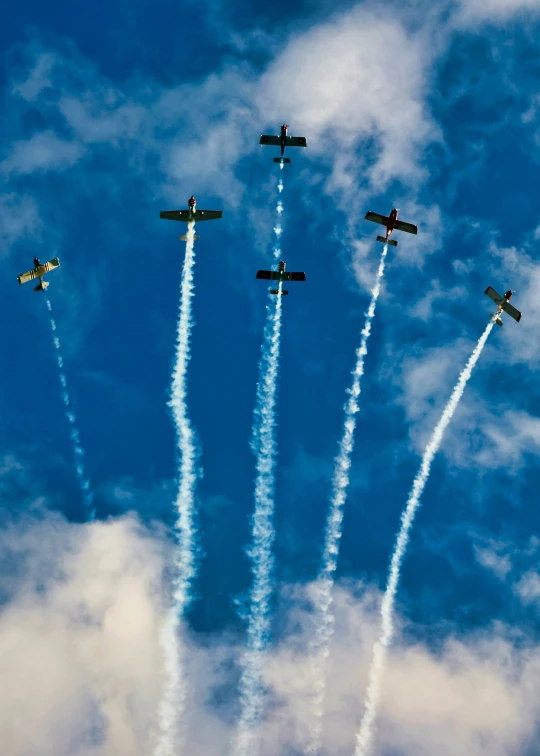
[(190, 215), (38, 272), (503, 305)]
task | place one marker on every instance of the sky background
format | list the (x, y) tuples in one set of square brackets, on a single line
[(112, 112)]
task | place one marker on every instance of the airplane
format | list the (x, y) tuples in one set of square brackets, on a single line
[(503, 304), (191, 215), (283, 141), (38, 272), (280, 275), (391, 223)]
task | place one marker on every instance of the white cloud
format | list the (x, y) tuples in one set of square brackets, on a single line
[(80, 661), (38, 79), (509, 436), (485, 433), (472, 12), (42, 152), (103, 117), (464, 701), (426, 377), (528, 587), (472, 696), (337, 83), (490, 555), (424, 308), (19, 219)]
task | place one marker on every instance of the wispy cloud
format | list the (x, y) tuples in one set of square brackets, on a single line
[(19, 220), (44, 151), (473, 12)]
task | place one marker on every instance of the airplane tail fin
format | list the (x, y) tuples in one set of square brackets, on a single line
[(496, 320), (282, 160), (391, 242), (42, 286), (184, 237), (276, 291)]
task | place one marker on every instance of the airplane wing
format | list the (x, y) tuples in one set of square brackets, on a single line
[(269, 139), (376, 218), (272, 275), (296, 141), (492, 294), (275, 275), (178, 215), (408, 227), (52, 264), (30, 275), (511, 310), (202, 215)]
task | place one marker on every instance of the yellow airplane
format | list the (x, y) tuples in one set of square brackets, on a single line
[(38, 272)]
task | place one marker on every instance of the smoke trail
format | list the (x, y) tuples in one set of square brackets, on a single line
[(88, 496), (278, 229), (263, 445), (174, 696), (323, 615), (364, 735)]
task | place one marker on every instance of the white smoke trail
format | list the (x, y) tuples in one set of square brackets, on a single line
[(84, 483), (278, 229), (323, 615), (263, 445), (174, 695), (365, 733)]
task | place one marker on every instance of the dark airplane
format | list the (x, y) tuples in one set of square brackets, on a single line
[(191, 215), (280, 275), (283, 141), (503, 305)]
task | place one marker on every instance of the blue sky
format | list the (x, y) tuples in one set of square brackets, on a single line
[(118, 111)]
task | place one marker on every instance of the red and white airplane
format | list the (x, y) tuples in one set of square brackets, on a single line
[(190, 215), (283, 141), (392, 223), (503, 305)]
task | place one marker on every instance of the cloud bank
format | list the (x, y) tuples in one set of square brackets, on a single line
[(81, 667)]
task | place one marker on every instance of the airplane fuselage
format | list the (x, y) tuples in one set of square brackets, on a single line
[(283, 139), (500, 308), (40, 272), (192, 204), (281, 270), (392, 218)]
